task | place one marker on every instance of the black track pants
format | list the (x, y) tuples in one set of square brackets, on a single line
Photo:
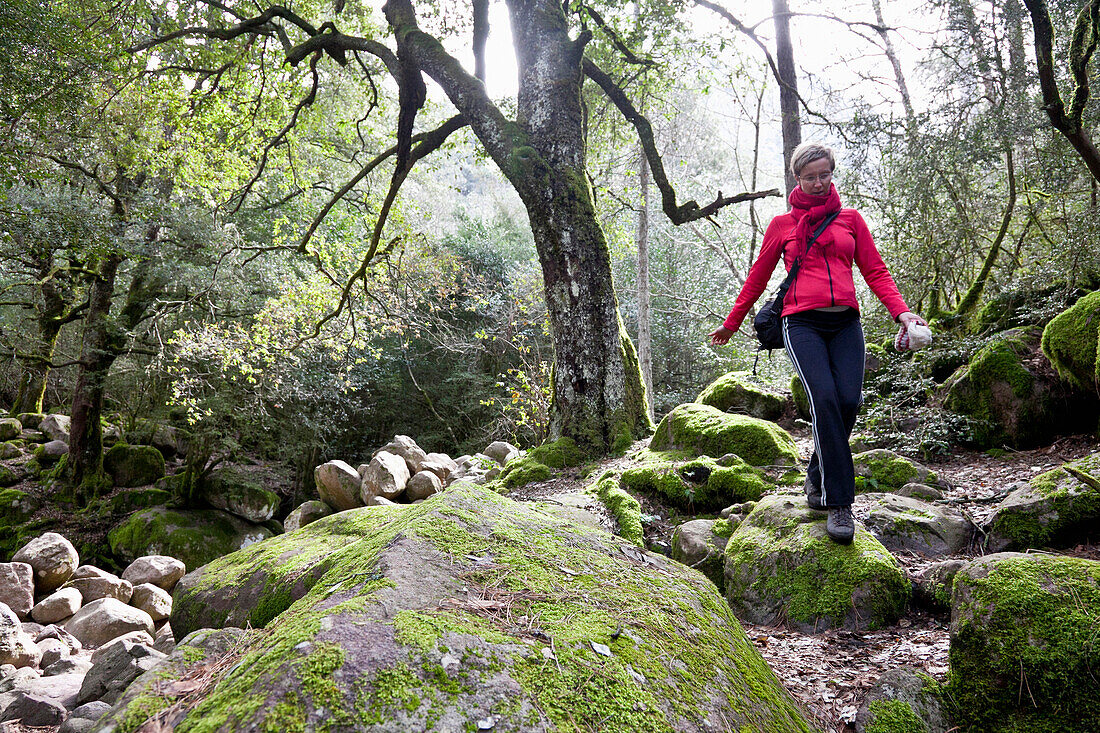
[(827, 351)]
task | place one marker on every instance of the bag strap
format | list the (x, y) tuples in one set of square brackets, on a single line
[(782, 293)]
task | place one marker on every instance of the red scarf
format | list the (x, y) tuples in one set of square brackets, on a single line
[(809, 211)]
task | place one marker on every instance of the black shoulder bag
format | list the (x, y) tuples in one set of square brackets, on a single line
[(768, 322)]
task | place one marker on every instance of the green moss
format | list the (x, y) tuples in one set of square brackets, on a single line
[(801, 399), (722, 528), (883, 470), (133, 465), (560, 453), (1056, 509), (1024, 644), (894, 716), (645, 455), (624, 507), (195, 537), (737, 392), (522, 471), (700, 483), (1070, 342), (141, 709), (708, 431)]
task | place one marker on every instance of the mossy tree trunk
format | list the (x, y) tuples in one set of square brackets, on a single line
[(598, 400)]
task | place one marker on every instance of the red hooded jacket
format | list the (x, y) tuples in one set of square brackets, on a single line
[(825, 278)]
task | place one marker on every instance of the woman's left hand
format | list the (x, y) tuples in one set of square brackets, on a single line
[(908, 317)]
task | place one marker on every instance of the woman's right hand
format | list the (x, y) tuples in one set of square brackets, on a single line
[(721, 336)]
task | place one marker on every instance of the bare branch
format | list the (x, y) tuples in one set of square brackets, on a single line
[(628, 54)]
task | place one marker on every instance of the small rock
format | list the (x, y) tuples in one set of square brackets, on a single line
[(17, 679), (34, 710), (306, 513), (160, 570), (30, 420), (924, 492), (56, 632), (134, 637), (68, 666), (423, 485), (52, 651), (108, 618), (338, 484), (386, 475), (9, 451), (17, 587), (56, 427), (9, 428), (441, 465), (501, 452), (53, 558), (52, 451), (153, 600), (57, 606), (406, 447), (166, 639), (95, 584)]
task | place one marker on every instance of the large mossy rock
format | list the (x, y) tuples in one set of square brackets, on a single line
[(170, 441), (706, 430), (239, 492), (133, 465), (904, 524), (1058, 508), (1025, 648), (739, 392), (700, 484), (1069, 342), (781, 565), (1014, 396), (194, 536), (883, 470), (404, 618), (700, 544)]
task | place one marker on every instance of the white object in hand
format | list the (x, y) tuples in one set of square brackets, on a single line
[(920, 336)]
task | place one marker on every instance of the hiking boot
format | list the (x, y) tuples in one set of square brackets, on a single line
[(841, 526), (813, 496)]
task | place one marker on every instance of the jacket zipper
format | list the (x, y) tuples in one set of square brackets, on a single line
[(829, 270)]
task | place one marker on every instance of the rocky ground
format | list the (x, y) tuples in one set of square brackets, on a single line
[(830, 672)]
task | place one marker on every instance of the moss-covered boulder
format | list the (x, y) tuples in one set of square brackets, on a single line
[(1012, 394), (133, 465), (1058, 508), (10, 428), (132, 500), (1024, 646), (700, 484), (903, 524), (700, 544), (801, 398), (9, 477), (739, 392), (886, 471), (240, 492), (1069, 342), (932, 586), (535, 465), (781, 565), (169, 440), (403, 618), (706, 430), (903, 701), (626, 510), (194, 536)]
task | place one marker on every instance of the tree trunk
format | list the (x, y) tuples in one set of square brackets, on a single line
[(36, 370), (788, 87), (96, 357), (899, 75), (645, 358)]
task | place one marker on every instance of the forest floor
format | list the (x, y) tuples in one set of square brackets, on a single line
[(830, 672)]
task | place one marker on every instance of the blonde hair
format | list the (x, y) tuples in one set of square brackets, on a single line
[(807, 153)]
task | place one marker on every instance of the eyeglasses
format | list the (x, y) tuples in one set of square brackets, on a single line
[(824, 178)]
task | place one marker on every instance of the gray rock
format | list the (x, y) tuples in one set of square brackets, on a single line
[(78, 725), (153, 600), (166, 640), (386, 475), (56, 427), (406, 447), (134, 637), (52, 451), (697, 545), (932, 586), (423, 485), (924, 492), (9, 451), (501, 451), (16, 646), (33, 710), (93, 710), (57, 606), (108, 618), (68, 667), (338, 484), (17, 587), (52, 651), (56, 632), (240, 493), (903, 524), (94, 584), (53, 558), (307, 512), (160, 570), (441, 465), (115, 669), (19, 679), (904, 687), (32, 629), (30, 420), (10, 428)]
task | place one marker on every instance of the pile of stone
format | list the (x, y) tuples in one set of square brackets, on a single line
[(73, 637), (398, 472)]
